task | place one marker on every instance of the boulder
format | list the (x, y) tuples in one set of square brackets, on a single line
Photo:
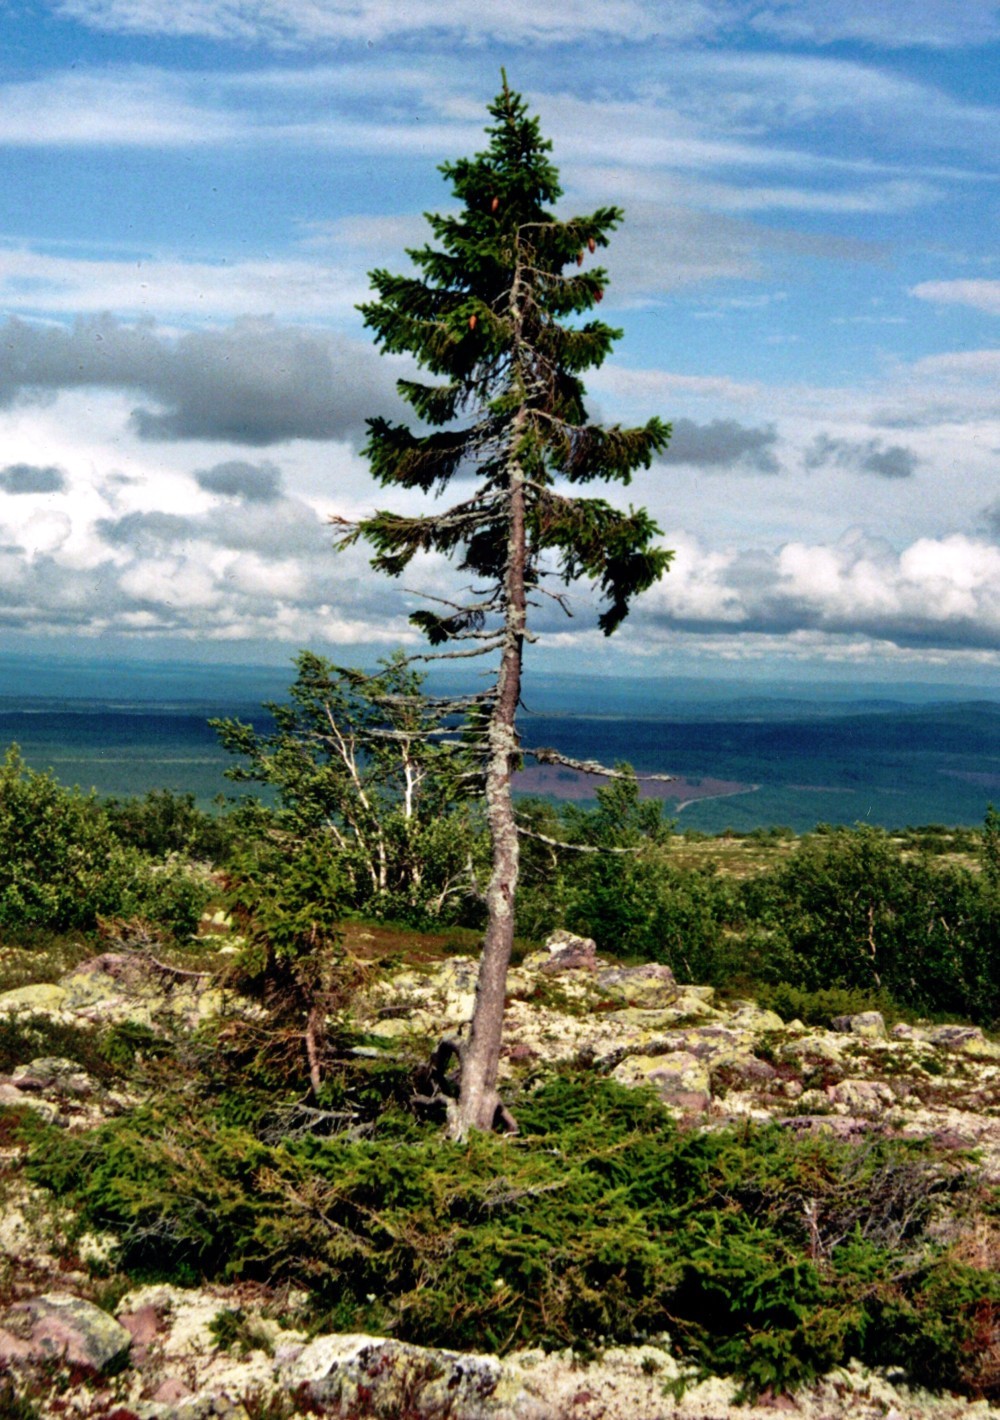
[(865, 1097), (53, 1074), (570, 953), (755, 1020), (870, 1025), (965, 1040), (61, 1327), (42, 999), (377, 1377), (648, 987), (13, 1098), (680, 1079)]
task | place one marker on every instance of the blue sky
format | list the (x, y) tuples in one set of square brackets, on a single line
[(807, 279)]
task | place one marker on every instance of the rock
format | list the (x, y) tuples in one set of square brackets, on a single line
[(817, 1046), (870, 1025), (14, 1349), (143, 1324), (125, 986), (966, 1040), (570, 953), (716, 1044), (55, 1074), (755, 1020), (680, 1079), (13, 1098), (173, 1388), (185, 1315), (744, 1071), (431, 1002), (209, 1404), (44, 998), (374, 1376), (66, 1328), (862, 1096), (647, 987)]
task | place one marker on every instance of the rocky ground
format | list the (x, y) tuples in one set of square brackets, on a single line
[(238, 1352)]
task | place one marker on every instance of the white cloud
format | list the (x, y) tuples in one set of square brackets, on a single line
[(303, 22), (938, 592), (893, 24), (980, 295), (126, 108), (33, 282)]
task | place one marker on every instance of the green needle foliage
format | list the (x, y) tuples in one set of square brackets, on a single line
[(496, 313), (761, 1254)]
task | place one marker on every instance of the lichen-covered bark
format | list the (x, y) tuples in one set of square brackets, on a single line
[(478, 1100)]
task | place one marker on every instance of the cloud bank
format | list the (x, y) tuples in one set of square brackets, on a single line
[(254, 383)]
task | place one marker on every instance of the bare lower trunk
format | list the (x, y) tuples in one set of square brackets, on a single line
[(479, 1103)]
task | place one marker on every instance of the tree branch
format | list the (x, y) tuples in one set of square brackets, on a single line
[(591, 766)]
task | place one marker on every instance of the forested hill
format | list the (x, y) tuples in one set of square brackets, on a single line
[(747, 756)]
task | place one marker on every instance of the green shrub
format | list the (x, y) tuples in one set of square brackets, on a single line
[(762, 1254), (60, 865), (818, 1008), (162, 823), (30, 1037), (173, 894), (848, 910)]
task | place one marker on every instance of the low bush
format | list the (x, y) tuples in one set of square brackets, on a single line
[(63, 867), (847, 909), (60, 864), (162, 823), (821, 1007), (762, 1254)]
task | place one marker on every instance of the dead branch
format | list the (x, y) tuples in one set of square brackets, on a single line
[(572, 847), (591, 766)]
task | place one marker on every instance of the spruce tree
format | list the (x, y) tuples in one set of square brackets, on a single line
[(495, 315)]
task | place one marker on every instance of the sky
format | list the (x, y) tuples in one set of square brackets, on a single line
[(807, 281)]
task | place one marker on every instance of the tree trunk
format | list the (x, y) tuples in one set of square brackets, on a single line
[(479, 1101)]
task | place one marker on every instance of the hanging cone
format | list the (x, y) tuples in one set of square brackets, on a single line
[(472, 322), (579, 258), (598, 294), (494, 204), (591, 245)]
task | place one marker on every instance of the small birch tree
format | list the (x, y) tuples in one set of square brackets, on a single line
[(495, 315)]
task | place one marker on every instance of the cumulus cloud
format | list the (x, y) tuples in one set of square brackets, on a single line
[(245, 568), (723, 444), (254, 382), (865, 455), (276, 528), (937, 592), (254, 483), (30, 478)]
